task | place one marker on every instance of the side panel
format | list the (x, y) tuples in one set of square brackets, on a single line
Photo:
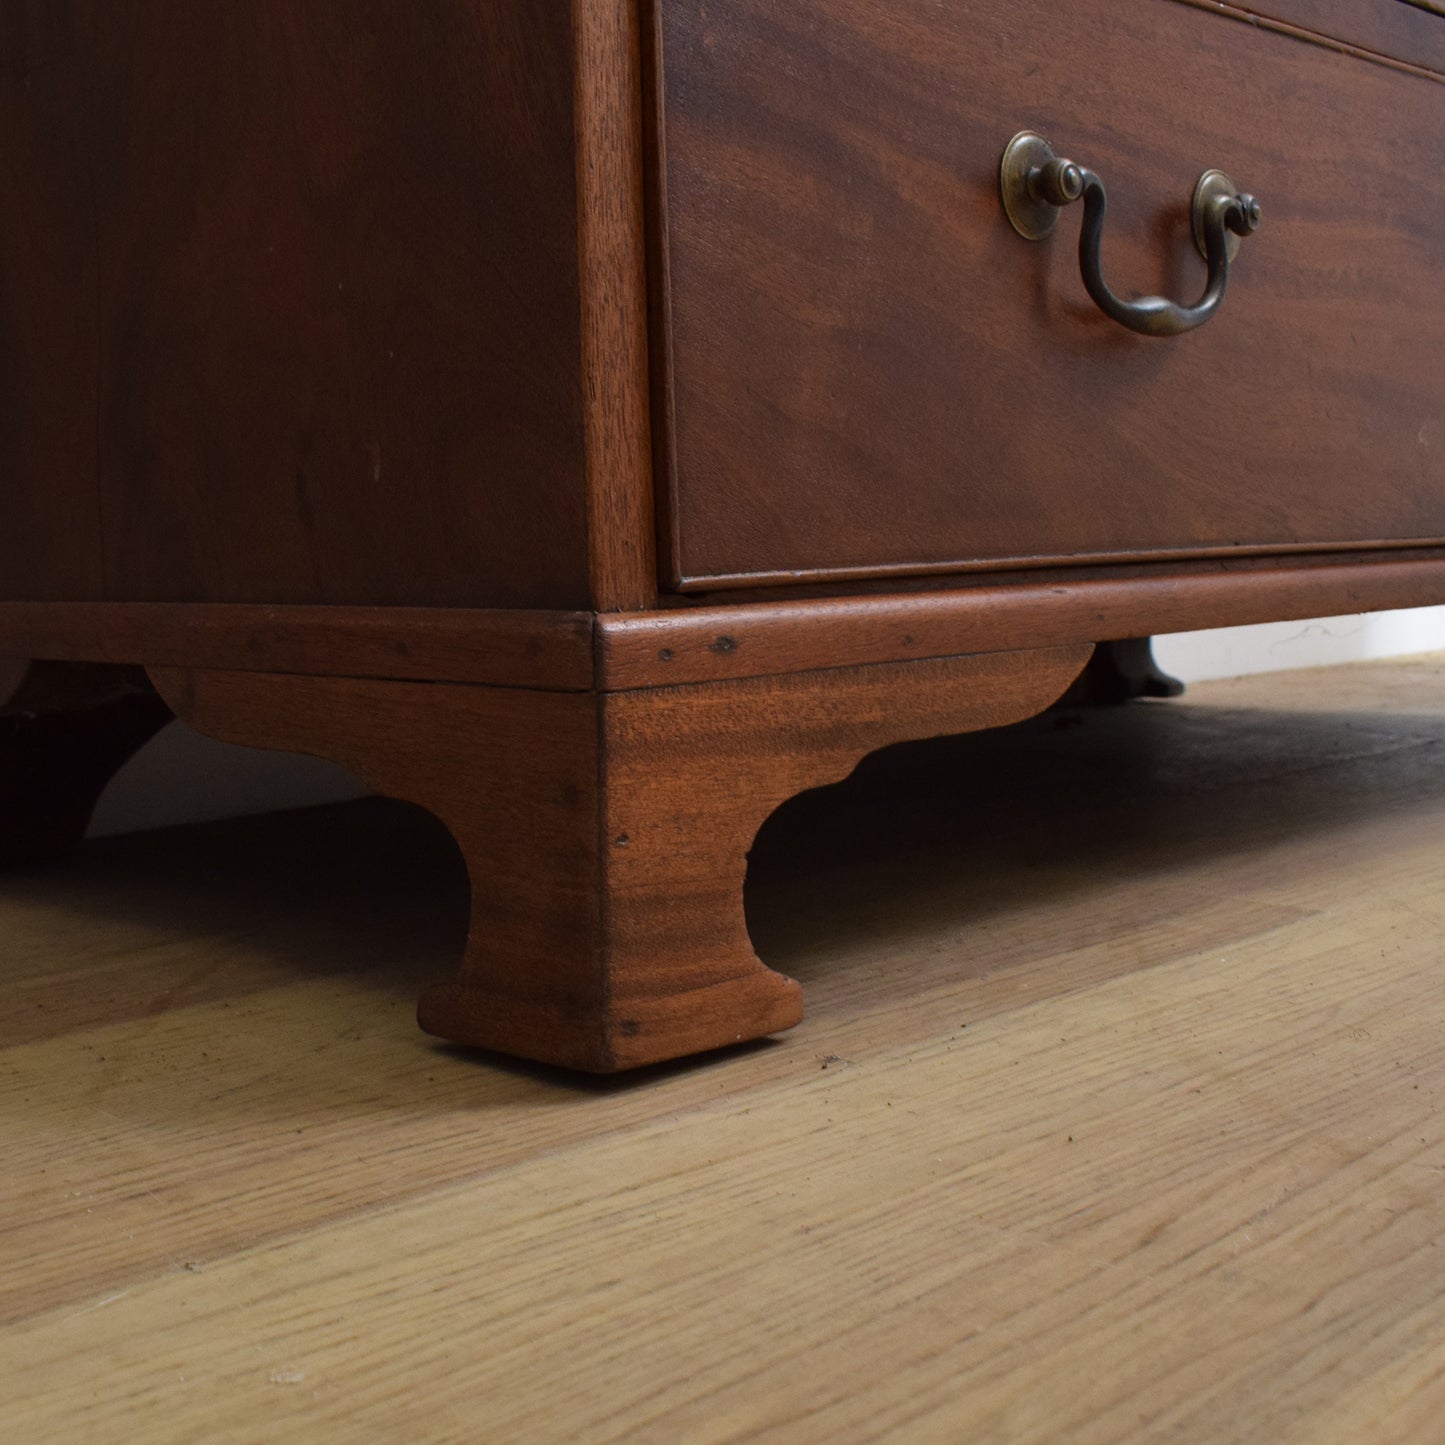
[(49, 516), (340, 351)]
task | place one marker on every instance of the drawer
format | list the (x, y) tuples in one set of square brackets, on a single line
[(865, 370)]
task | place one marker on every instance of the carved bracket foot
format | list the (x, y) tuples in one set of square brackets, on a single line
[(66, 728), (1120, 672), (607, 834)]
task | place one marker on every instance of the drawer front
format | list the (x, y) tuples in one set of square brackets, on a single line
[(867, 370)]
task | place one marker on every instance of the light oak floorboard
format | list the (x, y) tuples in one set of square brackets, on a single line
[(1116, 1117)]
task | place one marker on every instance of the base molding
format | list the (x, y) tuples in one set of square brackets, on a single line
[(783, 631)]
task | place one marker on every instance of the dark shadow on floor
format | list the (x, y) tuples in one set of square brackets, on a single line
[(1000, 822)]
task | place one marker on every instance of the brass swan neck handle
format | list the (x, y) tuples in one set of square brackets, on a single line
[(1036, 183)]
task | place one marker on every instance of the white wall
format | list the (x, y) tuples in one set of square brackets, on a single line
[(1274, 646), (181, 777)]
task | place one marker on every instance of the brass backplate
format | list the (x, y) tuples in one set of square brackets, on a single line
[(1029, 215)]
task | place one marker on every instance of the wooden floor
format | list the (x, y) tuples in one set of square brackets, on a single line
[(1117, 1116)]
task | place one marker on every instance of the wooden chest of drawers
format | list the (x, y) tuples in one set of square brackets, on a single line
[(597, 422)]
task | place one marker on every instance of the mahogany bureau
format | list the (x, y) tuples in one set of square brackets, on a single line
[(598, 421)]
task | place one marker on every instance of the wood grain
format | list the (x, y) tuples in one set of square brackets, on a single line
[(577, 652), (508, 648), (349, 305), (872, 370), (613, 260), (698, 644), (342, 349), (1115, 1119), (1402, 33), (607, 837), (50, 536)]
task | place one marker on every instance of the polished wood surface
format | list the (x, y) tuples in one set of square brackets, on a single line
[(1116, 1119), (1398, 31), (344, 304), (503, 647), (611, 180), (339, 315), (50, 534), (619, 651), (871, 369), (745, 639), (607, 836)]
